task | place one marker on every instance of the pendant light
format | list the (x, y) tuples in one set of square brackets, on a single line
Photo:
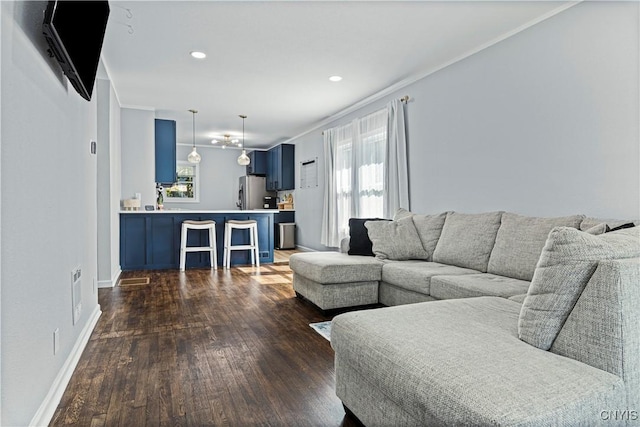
[(243, 159), (193, 156)]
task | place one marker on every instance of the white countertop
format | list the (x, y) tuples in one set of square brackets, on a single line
[(199, 211)]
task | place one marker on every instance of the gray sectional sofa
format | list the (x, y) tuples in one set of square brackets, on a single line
[(493, 319), (429, 257)]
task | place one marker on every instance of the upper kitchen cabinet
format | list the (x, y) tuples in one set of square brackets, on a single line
[(258, 163), (281, 168), (165, 151)]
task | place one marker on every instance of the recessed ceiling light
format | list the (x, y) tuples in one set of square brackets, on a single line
[(335, 78), (198, 55)]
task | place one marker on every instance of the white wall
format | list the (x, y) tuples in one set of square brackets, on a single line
[(219, 169), (308, 201), (137, 155), (544, 123), (2, 19), (48, 221), (108, 191), (115, 166), (219, 173)]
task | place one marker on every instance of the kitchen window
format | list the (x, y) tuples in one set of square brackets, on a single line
[(187, 186)]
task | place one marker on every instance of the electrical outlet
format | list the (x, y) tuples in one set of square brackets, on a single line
[(76, 293), (56, 340)]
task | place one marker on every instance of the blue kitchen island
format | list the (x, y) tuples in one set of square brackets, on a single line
[(150, 240)]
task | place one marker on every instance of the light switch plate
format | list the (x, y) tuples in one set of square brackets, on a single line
[(56, 340)]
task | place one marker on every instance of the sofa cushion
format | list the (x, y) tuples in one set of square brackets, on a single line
[(459, 362), (429, 228), (476, 285), (359, 242), (568, 260), (335, 267), (396, 240), (416, 275), (598, 229), (518, 298), (402, 213), (520, 241), (344, 245), (467, 239)]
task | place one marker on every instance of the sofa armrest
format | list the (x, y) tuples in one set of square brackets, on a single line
[(602, 329), (344, 245)]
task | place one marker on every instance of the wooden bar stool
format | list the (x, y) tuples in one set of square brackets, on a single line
[(252, 226), (198, 225)]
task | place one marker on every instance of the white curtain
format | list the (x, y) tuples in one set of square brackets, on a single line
[(396, 183), (364, 170), (338, 200), (344, 180), (369, 165), (328, 234)]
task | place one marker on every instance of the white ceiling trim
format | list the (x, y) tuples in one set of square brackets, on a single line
[(410, 80)]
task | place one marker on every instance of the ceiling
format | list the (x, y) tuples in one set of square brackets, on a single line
[(271, 60)]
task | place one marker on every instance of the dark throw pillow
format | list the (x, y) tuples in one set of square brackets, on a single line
[(359, 242), (620, 227)]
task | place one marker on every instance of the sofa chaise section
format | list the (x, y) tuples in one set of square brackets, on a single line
[(333, 280), (462, 362)]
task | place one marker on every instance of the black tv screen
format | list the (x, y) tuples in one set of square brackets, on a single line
[(75, 31)]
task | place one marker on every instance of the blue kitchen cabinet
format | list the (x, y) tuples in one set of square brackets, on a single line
[(258, 163), (281, 168), (284, 216), (162, 240), (165, 151), (151, 241), (271, 170), (133, 241)]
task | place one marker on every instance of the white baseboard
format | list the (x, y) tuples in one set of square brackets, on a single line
[(48, 407), (304, 249), (111, 283)]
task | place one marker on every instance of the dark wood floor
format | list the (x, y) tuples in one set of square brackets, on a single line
[(204, 348)]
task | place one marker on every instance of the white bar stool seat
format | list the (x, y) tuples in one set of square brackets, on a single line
[(198, 225), (252, 226)]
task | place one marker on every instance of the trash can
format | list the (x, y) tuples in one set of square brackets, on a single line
[(286, 235)]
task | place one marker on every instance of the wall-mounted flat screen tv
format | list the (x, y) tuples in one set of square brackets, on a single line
[(75, 31)]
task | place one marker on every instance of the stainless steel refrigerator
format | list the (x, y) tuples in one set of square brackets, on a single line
[(252, 191)]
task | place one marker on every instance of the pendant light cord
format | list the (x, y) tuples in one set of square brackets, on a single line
[(243, 159), (194, 157), (194, 127), (193, 113), (243, 117)]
